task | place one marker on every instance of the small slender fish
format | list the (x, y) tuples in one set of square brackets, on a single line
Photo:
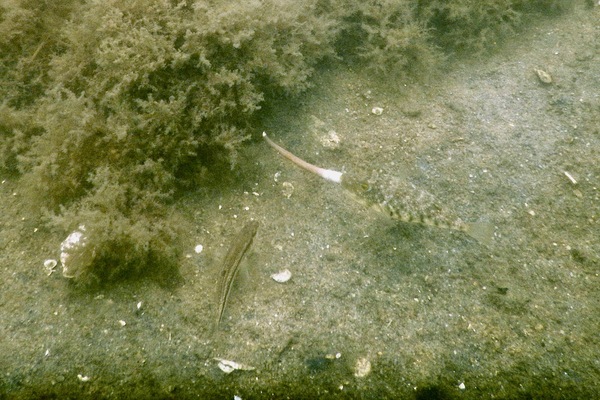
[(400, 200), (239, 246)]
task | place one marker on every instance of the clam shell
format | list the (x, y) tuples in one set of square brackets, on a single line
[(282, 276), (543, 76)]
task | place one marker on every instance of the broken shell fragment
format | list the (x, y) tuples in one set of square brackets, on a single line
[(377, 110), (282, 276), (50, 265), (288, 189), (543, 76), (229, 366)]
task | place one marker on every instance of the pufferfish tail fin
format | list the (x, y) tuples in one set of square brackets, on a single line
[(482, 231)]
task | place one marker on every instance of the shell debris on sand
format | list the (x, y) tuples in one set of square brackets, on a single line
[(543, 76), (330, 140), (50, 266), (282, 276), (229, 366), (377, 110), (362, 367), (288, 189), (326, 135)]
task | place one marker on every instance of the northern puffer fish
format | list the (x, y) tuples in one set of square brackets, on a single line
[(401, 200)]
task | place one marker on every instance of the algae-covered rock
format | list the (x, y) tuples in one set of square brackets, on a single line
[(75, 254), (115, 235)]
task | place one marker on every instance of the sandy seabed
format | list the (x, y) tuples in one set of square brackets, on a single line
[(374, 308)]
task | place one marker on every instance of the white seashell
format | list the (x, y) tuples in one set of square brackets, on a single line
[(228, 366), (377, 111), (543, 76), (282, 276), (49, 266)]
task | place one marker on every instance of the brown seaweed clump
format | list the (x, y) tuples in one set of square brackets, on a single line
[(111, 109), (141, 101)]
